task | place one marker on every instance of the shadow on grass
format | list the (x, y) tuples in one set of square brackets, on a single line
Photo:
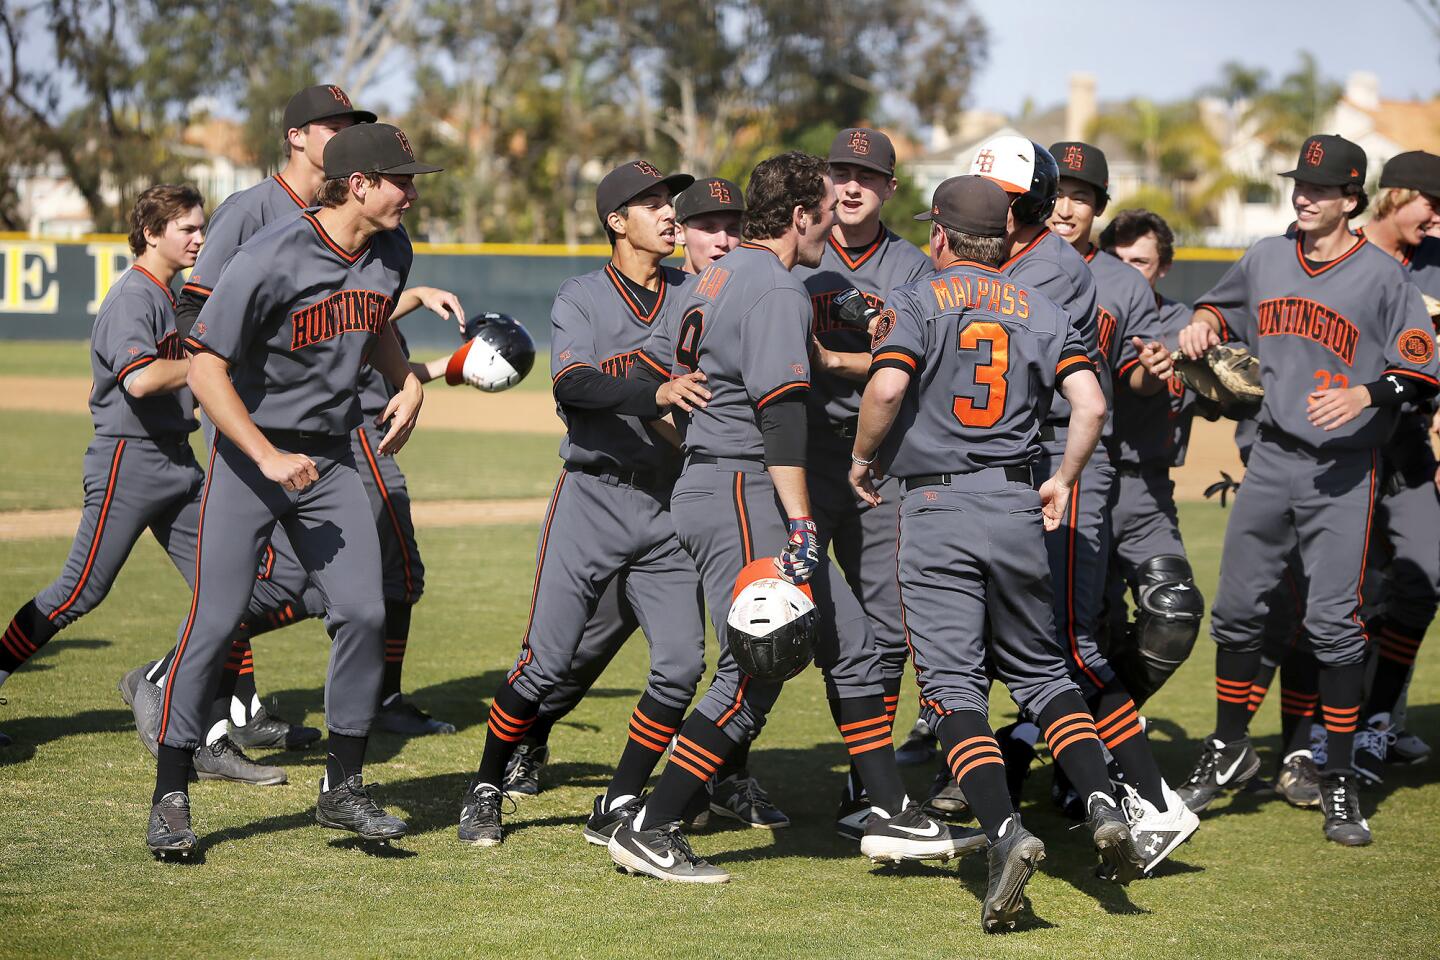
[(29, 733), (58, 647)]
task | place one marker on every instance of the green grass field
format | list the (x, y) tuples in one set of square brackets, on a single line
[(1258, 880)]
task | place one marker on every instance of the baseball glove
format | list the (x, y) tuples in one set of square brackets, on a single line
[(1228, 375)]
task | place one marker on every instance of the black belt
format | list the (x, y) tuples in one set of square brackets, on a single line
[(1048, 433), (1012, 474), (644, 479), (737, 464), (706, 458), (308, 438)]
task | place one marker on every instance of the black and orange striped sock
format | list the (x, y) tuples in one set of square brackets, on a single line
[(652, 725), (1069, 730), (892, 697), (1299, 698), (1234, 671), (237, 681), (397, 637), (864, 725), (700, 750), (737, 761), (1260, 686), (27, 632), (1395, 658), (1118, 723), (975, 760), (511, 716), (1341, 690)]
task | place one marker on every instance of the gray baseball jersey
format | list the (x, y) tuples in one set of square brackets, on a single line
[(1125, 307), (1053, 267), (985, 353), (235, 221), (884, 264), (1156, 429), (596, 322), (296, 338), (1342, 323), (1422, 265), (134, 327)]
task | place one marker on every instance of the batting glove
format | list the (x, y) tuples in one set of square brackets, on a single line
[(801, 556)]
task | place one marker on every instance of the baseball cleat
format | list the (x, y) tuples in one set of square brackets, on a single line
[(1221, 767), (522, 771), (851, 815), (131, 681), (946, 798), (168, 833), (350, 807), (222, 760), (1299, 780), (740, 797), (1013, 859), (1110, 832), (912, 835), (266, 729), (1408, 748), (1018, 756), (480, 816), (1372, 746), (403, 717), (601, 825), (1156, 835), (1340, 802), (146, 704), (920, 747), (662, 853)]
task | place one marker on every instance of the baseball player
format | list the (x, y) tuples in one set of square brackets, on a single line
[(745, 324), (1343, 342), (965, 360), (861, 254), (610, 513), (275, 362), (707, 214), (1408, 510)]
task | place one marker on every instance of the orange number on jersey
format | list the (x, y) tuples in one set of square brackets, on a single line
[(1325, 380), (990, 375)]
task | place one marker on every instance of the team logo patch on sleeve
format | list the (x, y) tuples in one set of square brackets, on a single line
[(1416, 346), (883, 325)]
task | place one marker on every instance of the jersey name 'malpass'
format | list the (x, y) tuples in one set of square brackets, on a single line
[(349, 311), (1297, 316), (997, 296)]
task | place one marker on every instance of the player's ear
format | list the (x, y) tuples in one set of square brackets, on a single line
[(359, 184), (616, 222)]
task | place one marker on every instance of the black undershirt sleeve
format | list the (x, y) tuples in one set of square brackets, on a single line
[(1392, 390), (586, 388), (187, 310), (783, 426)]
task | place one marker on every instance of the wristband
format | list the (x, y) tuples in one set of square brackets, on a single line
[(856, 460)]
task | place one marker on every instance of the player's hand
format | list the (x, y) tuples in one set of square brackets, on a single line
[(442, 302), (402, 412), (1054, 501), (684, 392), (1332, 409), (293, 471), (1197, 338), (1154, 358), (801, 556), (863, 479)]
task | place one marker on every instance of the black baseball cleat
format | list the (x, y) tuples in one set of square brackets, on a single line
[(946, 798), (169, 834), (131, 681), (1340, 802), (349, 807), (1013, 859), (740, 797), (1299, 780), (1221, 767), (920, 747), (913, 835), (1018, 756), (223, 760), (662, 853), (851, 815), (1372, 747), (480, 816), (266, 729), (522, 771), (147, 701), (1110, 832), (401, 716), (601, 825)]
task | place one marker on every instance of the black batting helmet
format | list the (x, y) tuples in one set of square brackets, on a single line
[(498, 353)]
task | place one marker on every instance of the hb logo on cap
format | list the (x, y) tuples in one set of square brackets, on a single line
[(1314, 153), (1074, 158), (405, 144), (647, 169), (339, 96), (985, 161), (860, 142), (720, 192)]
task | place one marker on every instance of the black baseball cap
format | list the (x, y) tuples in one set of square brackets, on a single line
[(1084, 162), (971, 204), (711, 195), (322, 102), (1330, 161), (1413, 170), (864, 148), (372, 148), (629, 180)]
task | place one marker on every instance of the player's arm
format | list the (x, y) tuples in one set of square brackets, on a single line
[(850, 310), (403, 410), (878, 409), (157, 378), (126, 340), (1087, 420), (437, 301), (1143, 327)]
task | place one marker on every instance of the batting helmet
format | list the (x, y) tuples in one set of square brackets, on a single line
[(771, 625), (498, 353), (1025, 170)]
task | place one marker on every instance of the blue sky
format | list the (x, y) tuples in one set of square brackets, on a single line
[(1165, 49)]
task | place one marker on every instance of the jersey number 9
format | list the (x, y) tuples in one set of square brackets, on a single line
[(985, 336), (687, 345)]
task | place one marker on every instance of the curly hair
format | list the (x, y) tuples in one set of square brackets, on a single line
[(777, 186), (156, 207)]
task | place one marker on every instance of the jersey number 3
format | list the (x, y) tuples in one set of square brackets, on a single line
[(979, 337)]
